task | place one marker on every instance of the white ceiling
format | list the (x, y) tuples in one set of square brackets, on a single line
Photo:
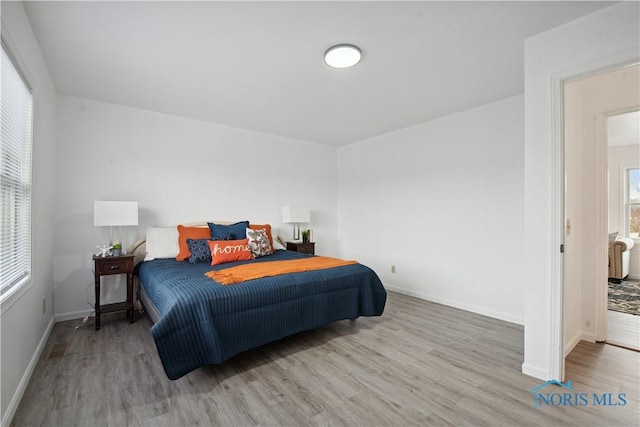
[(623, 129), (259, 65)]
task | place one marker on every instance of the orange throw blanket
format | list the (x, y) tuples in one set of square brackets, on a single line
[(242, 273)]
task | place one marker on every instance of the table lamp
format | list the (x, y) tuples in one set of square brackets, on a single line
[(295, 215), (115, 214)]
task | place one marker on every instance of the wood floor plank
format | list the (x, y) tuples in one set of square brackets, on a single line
[(419, 364), (623, 329)]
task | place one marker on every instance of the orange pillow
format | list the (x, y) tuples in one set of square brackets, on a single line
[(185, 233), (229, 250), (263, 227)]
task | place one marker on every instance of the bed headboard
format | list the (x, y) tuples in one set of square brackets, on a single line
[(139, 250)]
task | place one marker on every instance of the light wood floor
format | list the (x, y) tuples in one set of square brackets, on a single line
[(419, 364), (623, 329)]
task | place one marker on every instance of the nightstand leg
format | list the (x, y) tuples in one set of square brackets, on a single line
[(130, 297), (97, 306)]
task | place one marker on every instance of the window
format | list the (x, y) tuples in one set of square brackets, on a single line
[(632, 202), (16, 118)]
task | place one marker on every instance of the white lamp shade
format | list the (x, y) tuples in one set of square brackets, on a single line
[(295, 215), (115, 213)]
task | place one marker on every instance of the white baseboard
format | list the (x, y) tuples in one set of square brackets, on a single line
[(536, 372), (580, 336), (588, 337), (572, 343), (17, 396), (457, 304), (72, 315), (634, 276)]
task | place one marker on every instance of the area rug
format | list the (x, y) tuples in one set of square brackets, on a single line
[(625, 297)]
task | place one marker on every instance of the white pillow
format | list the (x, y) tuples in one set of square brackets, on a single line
[(277, 246), (162, 243)]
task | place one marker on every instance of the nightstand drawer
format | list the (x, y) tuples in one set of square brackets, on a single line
[(115, 266), (305, 248)]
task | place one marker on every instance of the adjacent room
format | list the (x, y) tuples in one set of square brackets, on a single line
[(423, 177), (623, 296)]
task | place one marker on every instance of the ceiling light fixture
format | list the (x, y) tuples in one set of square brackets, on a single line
[(342, 56)]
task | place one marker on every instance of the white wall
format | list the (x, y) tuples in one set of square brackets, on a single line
[(619, 159), (24, 328), (442, 201), (604, 38), (179, 170)]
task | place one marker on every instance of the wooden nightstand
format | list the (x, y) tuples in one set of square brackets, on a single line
[(307, 248), (105, 266)]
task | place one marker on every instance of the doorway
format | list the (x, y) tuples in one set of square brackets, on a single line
[(623, 300), (588, 102)]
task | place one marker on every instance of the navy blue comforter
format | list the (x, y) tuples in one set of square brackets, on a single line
[(203, 322)]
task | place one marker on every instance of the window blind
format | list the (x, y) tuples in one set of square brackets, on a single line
[(16, 121)]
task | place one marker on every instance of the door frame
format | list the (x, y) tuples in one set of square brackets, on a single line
[(556, 299)]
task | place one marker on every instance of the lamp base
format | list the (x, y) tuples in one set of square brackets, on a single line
[(296, 232)]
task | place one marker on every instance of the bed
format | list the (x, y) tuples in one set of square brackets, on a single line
[(197, 321)]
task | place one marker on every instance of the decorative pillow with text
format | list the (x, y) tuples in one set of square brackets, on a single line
[(223, 251)]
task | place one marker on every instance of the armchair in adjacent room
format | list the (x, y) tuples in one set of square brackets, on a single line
[(619, 252)]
